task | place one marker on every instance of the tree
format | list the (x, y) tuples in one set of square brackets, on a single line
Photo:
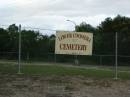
[(29, 42), (52, 43), (4, 40), (13, 34), (108, 28), (83, 27)]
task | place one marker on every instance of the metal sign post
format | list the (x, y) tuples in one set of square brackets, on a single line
[(76, 61)]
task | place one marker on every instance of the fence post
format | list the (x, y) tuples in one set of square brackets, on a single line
[(116, 55), (19, 54)]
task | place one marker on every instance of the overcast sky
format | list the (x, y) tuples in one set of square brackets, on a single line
[(52, 14)]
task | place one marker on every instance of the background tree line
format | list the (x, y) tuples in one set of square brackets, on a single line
[(35, 44)]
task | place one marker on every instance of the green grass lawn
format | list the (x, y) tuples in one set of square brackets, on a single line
[(58, 70)]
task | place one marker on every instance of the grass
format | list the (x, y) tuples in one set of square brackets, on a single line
[(58, 70)]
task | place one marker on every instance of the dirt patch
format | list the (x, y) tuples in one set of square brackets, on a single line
[(61, 86)]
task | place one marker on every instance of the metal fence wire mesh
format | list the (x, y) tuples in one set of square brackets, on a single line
[(38, 47)]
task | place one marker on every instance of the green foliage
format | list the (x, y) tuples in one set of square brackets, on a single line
[(33, 42), (108, 28), (4, 40), (83, 27)]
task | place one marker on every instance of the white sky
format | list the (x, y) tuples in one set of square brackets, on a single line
[(52, 14)]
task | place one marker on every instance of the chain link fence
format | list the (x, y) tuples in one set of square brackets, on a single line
[(97, 60), (47, 55)]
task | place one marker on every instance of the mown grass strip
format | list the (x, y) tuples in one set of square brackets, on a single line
[(57, 70)]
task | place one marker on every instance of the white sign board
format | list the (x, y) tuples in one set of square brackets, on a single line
[(74, 43)]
